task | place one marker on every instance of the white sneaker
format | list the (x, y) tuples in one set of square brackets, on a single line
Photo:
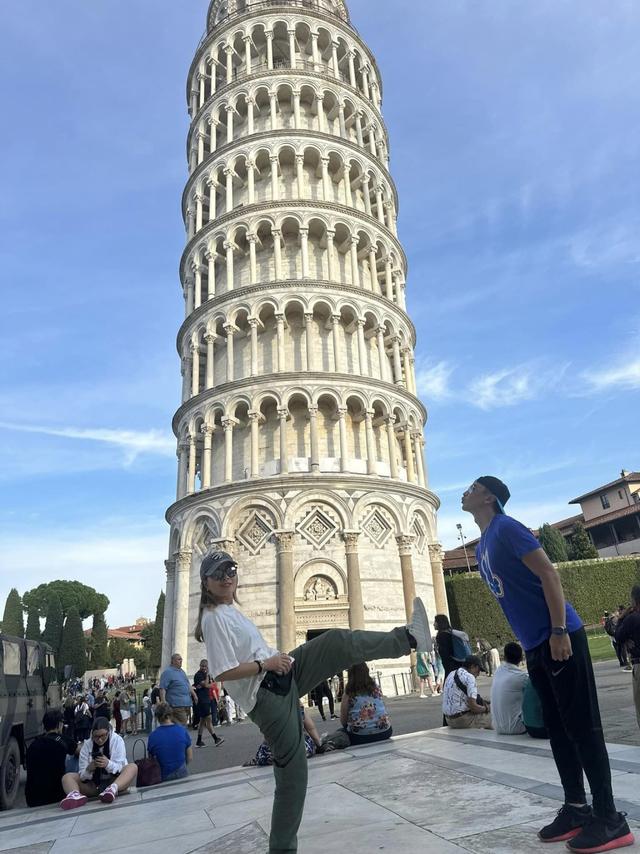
[(110, 794), (419, 627), (73, 800), (423, 696)]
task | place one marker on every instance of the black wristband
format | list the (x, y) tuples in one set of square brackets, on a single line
[(260, 667)]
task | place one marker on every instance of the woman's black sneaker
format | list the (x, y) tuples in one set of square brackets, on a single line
[(601, 835), (568, 823)]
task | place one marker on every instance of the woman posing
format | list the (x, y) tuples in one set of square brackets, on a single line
[(268, 684)]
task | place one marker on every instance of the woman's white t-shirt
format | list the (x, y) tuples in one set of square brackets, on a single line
[(232, 639)]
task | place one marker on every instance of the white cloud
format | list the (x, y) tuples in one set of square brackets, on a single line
[(623, 375), (511, 386), (433, 380), (132, 442), (606, 246)]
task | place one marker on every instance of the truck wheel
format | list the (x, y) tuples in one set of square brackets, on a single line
[(10, 775)]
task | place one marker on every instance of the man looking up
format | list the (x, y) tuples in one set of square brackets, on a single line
[(528, 589)]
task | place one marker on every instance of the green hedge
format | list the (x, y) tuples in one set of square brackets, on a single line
[(592, 586)]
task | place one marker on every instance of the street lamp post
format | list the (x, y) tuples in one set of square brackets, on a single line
[(464, 545)]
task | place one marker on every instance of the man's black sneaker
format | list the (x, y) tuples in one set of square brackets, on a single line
[(601, 835), (199, 743), (568, 823), (218, 741)]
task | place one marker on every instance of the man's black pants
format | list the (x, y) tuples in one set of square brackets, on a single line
[(321, 691), (567, 691)]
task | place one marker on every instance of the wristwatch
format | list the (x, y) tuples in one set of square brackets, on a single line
[(260, 667), (559, 630)]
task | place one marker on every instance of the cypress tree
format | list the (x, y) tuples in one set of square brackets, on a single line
[(33, 624), (53, 626), (72, 648), (581, 546), (553, 543), (99, 642), (13, 618), (155, 658)]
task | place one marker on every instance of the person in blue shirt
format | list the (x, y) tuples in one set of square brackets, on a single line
[(170, 744), (527, 587), (176, 690)]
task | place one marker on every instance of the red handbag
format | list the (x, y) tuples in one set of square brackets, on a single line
[(149, 773)]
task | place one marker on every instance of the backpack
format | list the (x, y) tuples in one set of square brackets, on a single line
[(81, 716), (460, 644), (610, 625)]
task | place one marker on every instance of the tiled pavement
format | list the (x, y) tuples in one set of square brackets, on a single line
[(435, 792)]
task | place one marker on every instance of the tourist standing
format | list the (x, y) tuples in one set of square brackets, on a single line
[(527, 587), (176, 690), (268, 684), (202, 684), (628, 632)]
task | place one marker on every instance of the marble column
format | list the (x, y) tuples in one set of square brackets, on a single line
[(362, 348), (282, 364), (195, 369), (286, 591), (344, 449), (308, 339), (283, 415), (337, 355), (181, 609), (210, 377), (207, 432), (315, 446), (356, 605), (370, 441), (169, 609), (253, 332), (408, 455), (191, 472), (227, 424), (393, 446), (408, 583), (439, 588), (183, 465), (230, 329), (255, 418)]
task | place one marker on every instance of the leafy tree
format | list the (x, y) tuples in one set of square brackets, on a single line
[(53, 626), (155, 658), (33, 625), (553, 543), (581, 547), (141, 658), (72, 594), (99, 637), (72, 648), (13, 618), (119, 649)]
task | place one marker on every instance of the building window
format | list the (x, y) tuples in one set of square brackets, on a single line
[(605, 502), (620, 495)]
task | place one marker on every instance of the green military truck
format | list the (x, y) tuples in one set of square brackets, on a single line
[(28, 685)]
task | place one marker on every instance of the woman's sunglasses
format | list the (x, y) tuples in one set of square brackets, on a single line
[(224, 572)]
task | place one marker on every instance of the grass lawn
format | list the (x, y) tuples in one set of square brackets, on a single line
[(600, 647)]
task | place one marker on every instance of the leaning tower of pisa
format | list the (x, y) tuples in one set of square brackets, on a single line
[(300, 435)]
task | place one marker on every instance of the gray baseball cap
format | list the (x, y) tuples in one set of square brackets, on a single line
[(215, 561)]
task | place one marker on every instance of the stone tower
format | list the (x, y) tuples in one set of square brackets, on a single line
[(300, 435)]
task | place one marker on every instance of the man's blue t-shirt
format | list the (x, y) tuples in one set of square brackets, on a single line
[(518, 591), (177, 686), (169, 744)]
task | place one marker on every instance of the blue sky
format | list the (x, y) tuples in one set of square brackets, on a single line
[(514, 142)]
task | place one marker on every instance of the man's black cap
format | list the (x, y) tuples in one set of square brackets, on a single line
[(497, 488)]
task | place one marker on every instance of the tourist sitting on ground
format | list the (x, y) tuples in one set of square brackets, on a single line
[(170, 744), (46, 762), (104, 772), (507, 690), (462, 705), (312, 742), (362, 710)]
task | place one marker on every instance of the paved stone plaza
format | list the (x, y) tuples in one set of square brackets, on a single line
[(437, 791)]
